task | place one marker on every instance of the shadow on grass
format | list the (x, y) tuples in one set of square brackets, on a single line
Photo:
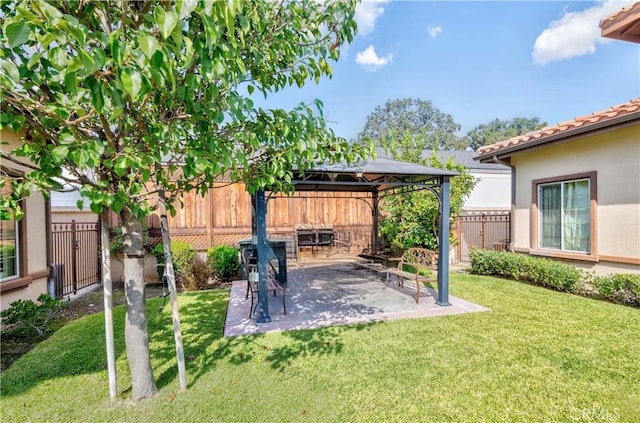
[(205, 347), (324, 341), (75, 349), (79, 347)]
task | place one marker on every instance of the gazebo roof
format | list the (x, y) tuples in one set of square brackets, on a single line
[(368, 175)]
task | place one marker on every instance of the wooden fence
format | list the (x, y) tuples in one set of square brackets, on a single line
[(223, 216)]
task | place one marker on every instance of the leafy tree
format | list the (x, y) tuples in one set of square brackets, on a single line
[(411, 219), (136, 98), (411, 119), (499, 130)]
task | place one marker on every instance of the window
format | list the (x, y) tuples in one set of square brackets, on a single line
[(8, 242), (564, 220), (8, 248)]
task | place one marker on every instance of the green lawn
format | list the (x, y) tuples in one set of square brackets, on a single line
[(539, 355)]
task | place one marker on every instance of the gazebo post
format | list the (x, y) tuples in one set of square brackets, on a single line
[(375, 212), (261, 229), (443, 244)]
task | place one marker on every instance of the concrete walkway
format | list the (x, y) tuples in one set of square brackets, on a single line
[(336, 292)]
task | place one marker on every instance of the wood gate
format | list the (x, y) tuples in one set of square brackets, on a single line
[(487, 231), (75, 256)]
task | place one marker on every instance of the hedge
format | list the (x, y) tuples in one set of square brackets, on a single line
[(540, 271), (618, 288)]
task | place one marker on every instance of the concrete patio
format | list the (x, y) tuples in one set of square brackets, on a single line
[(336, 291)]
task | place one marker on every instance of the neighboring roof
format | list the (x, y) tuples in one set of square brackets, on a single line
[(622, 114), (465, 158), (368, 175), (462, 157), (623, 25)]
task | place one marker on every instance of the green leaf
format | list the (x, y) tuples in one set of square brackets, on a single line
[(116, 48), (166, 21), (59, 153), (122, 166), (244, 23), (66, 138), (74, 64), (17, 34), (77, 32), (10, 69), (80, 204), (96, 208), (131, 81), (157, 60), (186, 7), (97, 98), (229, 18), (71, 82), (87, 61), (148, 44), (250, 89)]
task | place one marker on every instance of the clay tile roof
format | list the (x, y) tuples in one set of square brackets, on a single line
[(623, 25), (622, 12), (564, 127)]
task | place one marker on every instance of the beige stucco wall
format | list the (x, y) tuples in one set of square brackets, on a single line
[(35, 229), (615, 155)]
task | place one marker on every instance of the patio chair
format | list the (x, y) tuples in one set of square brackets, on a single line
[(252, 284)]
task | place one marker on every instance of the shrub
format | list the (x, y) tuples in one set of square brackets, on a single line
[(540, 271), (621, 287), (115, 243), (197, 277), (31, 316), (224, 261), (182, 254)]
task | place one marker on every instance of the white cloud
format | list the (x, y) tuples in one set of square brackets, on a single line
[(574, 34), (367, 11), (370, 61), (434, 31)]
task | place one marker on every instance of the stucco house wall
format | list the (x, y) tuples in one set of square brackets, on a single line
[(586, 172), (33, 244), (615, 157)]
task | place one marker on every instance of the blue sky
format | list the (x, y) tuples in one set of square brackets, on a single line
[(477, 61)]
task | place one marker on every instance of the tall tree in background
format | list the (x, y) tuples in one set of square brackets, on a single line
[(499, 130), (414, 120), (136, 96)]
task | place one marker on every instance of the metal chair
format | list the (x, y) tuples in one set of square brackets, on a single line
[(253, 288)]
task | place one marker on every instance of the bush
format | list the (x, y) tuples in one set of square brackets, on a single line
[(224, 261), (115, 243), (621, 287), (182, 254), (197, 277), (540, 271), (31, 316)]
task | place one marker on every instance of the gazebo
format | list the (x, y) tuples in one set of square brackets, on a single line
[(378, 177)]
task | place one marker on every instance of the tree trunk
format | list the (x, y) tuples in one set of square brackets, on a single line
[(135, 330)]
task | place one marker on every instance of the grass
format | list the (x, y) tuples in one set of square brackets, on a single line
[(539, 355)]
